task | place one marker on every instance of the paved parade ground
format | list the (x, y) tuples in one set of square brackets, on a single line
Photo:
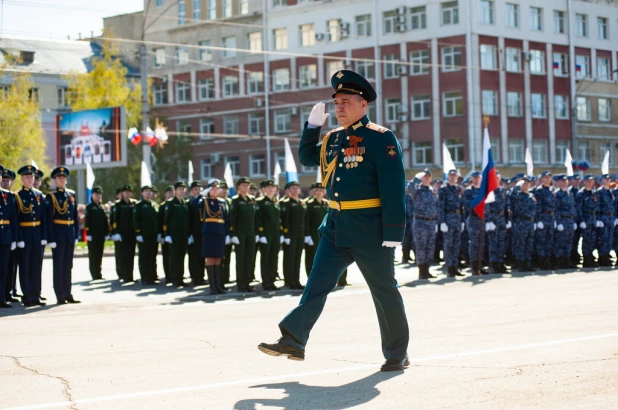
[(524, 341)]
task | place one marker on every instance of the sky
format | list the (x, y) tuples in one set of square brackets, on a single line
[(58, 19)]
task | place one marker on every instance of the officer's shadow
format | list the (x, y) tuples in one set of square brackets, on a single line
[(302, 396)]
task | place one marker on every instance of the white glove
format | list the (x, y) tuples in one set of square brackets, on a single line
[(488, 226), (227, 240), (13, 246), (257, 238), (582, 225), (436, 228), (419, 175), (615, 222), (555, 225), (509, 225), (391, 244), (281, 239), (117, 238), (534, 226), (140, 238), (190, 241), (540, 225), (463, 226), (308, 240), (168, 239), (560, 228), (107, 238), (574, 226), (159, 239), (263, 240), (21, 244), (318, 117), (76, 241), (444, 227), (235, 240), (52, 245), (89, 238), (287, 241), (600, 224), (44, 242)]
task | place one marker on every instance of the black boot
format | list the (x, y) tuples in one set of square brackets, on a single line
[(218, 280), (405, 255), (529, 267), (476, 268), (211, 280), (421, 272), (429, 274), (450, 273), (604, 261), (503, 267)]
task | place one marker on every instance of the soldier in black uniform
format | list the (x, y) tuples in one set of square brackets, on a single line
[(8, 237), (10, 286), (268, 228), (145, 223), (162, 232), (293, 223), (177, 223), (124, 232), (97, 231), (196, 262)]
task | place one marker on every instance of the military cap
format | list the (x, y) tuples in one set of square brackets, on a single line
[(7, 173), (253, 186), (291, 184), (127, 187), (213, 182), (179, 184), (60, 171), (604, 176), (519, 176), (267, 182), (545, 173), (97, 190), (475, 174), (533, 178), (452, 171), (169, 188), (195, 184), (1, 168), (145, 187), (589, 176), (527, 178), (350, 82), (39, 174), (118, 190), (243, 180), (560, 177), (466, 181), (576, 177), (154, 189), (27, 170), (318, 185), (223, 185), (436, 181), (426, 171)]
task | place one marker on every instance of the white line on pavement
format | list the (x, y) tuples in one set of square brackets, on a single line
[(306, 374)]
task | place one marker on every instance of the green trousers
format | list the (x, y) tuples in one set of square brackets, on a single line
[(178, 250), (95, 257), (269, 259), (291, 261), (245, 252)]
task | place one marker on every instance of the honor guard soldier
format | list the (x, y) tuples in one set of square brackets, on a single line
[(9, 235), (32, 235), (425, 218), (545, 221), (145, 220), (268, 226), (576, 258), (162, 228), (450, 216), (242, 233), (124, 232), (97, 231), (473, 226), (605, 221), (366, 219), (496, 225), (196, 262), (10, 287), (293, 212), (62, 233), (523, 208), (38, 179), (565, 220), (227, 259), (317, 208), (587, 208), (177, 232)]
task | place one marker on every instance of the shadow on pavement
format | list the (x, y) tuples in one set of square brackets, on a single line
[(302, 396)]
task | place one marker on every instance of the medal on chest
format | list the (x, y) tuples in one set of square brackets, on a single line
[(354, 153)]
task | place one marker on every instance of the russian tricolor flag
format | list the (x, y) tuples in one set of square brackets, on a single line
[(556, 65), (578, 68), (489, 182), (134, 136)]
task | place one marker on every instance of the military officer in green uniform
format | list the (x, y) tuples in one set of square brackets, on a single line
[(293, 225), (145, 218), (197, 264), (242, 233), (225, 263), (162, 228), (97, 231), (124, 232), (317, 208), (268, 227), (362, 168), (177, 234)]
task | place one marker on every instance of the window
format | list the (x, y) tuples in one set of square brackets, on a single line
[(561, 149), (539, 152), (495, 149), (450, 13), (332, 118), (255, 42), (584, 151), (206, 168), (390, 22), (205, 53), (212, 9), (536, 18), (490, 102), (63, 101), (516, 150), (281, 39), (513, 104), (559, 26), (561, 64), (423, 153), (281, 79), (513, 60), (363, 25), (234, 165), (159, 57), (181, 12), (392, 109), (304, 115), (419, 17), (582, 67), (255, 83), (581, 25), (308, 76), (538, 105), (456, 148), (420, 62), (537, 61), (487, 12), (334, 30), (280, 3), (390, 66), (332, 67), (282, 120), (512, 15), (196, 9), (230, 86), (207, 127), (453, 104), (227, 8), (229, 46), (602, 28), (488, 57), (160, 94), (257, 165), (206, 89), (605, 109), (230, 124), (256, 124), (280, 159), (159, 3), (183, 92), (243, 7), (33, 94), (603, 69), (307, 35), (421, 107), (561, 107), (583, 109), (451, 58), (366, 69), (181, 56)]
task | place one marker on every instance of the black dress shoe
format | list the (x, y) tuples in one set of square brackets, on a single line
[(42, 298), (71, 300), (41, 303), (61, 302), (5, 305), (285, 346), (12, 299), (30, 304), (391, 365)]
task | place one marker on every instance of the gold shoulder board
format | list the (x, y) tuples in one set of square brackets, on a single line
[(376, 127)]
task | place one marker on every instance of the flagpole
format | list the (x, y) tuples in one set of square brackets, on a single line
[(479, 266)]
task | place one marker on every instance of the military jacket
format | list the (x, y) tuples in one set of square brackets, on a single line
[(9, 220), (293, 218), (145, 220), (161, 227), (61, 214), (366, 164), (212, 215), (606, 203), (497, 211), (122, 216), (425, 203), (468, 195), (409, 209), (195, 219), (450, 207), (267, 217), (587, 206), (242, 216), (545, 204), (524, 207), (31, 215), (565, 207), (177, 217), (314, 217), (95, 222)]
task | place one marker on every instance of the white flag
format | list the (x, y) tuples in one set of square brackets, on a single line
[(605, 165), (227, 175), (447, 160), (35, 165), (319, 176), (145, 174), (89, 176), (277, 172), (568, 163), (190, 179), (528, 161), (291, 173)]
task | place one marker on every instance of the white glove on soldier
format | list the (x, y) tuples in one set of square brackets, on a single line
[(13, 246), (235, 240), (308, 240), (263, 240), (88, 238), (540, 225), (615, 222), (257, 238), (555, 225), (444, 227), (106, 238), (76, 241), (560, 228), (600, 224), (227, 240), (52, 245), (391, 244), (281, 239), (574, 226), (287, 241), (44, 242), (509, 225), (436, 228), (318, 116), (117, 238), (168, 239), (159, 238), (21, 244), (463, 226), (140, 238), (190, 241), (582, 225)]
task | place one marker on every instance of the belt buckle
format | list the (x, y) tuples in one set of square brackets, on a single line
[(336, 205)]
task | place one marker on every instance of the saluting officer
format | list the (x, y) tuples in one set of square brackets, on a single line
[(145, 223), (10, 287), (9, 235), (450, 210), (227, 259), (317, 208), (196, 262), (268, 227), (62, 233), (177, 223), (162, 232), (293, 212), (242, 233), (97, 231), (124, 232)]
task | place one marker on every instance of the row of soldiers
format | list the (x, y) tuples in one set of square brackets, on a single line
[(528, 222), (252, 220)]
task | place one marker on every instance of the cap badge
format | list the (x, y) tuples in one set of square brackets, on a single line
[(339, 76)]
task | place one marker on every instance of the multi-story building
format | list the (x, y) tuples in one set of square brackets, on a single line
[(239, 76)]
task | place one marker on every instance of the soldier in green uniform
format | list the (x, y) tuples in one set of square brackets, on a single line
[(124, 232), (317, 208), (362, 168), (177, 223), (227, 259), (165, 247), (242, 233), (97, 231), (111, 225), (145, 222), (268, 227), (293, 224), (197, 264)]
